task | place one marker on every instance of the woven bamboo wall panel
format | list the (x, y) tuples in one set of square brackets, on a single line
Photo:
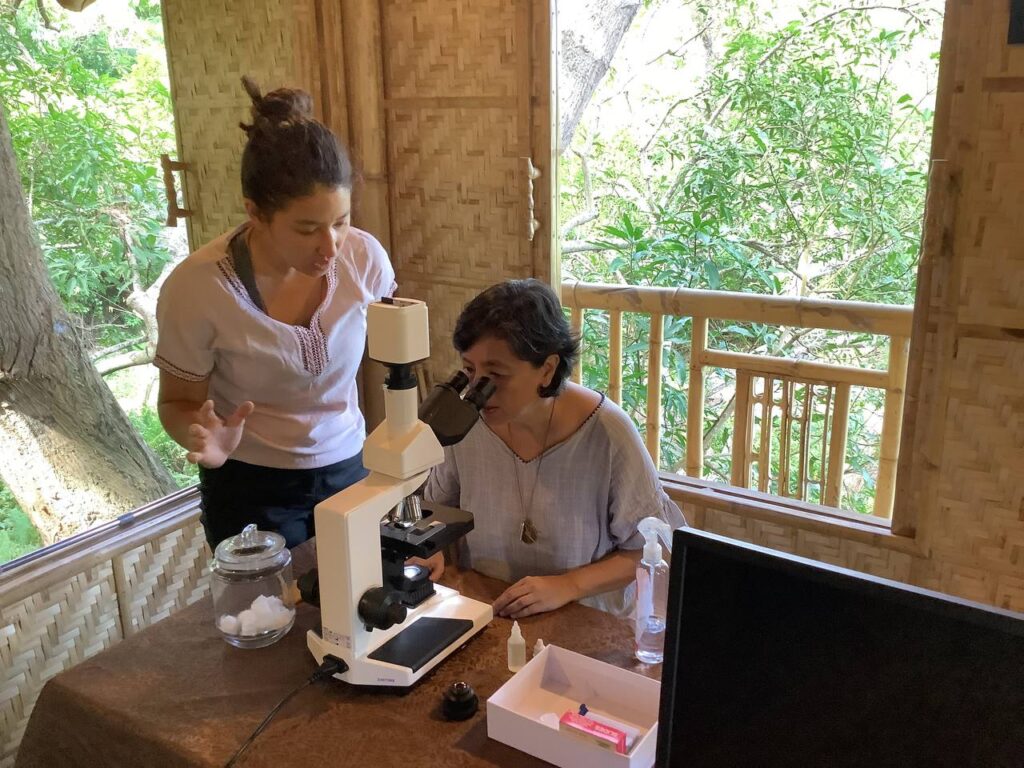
[(47, 633), (992, 283), (979, 520), (163, 576), (1010, 592), (458, 195), (444, 303), (463, 48), (834, 550), (209, 47)]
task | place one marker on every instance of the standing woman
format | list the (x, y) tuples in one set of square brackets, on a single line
[(261, 332)]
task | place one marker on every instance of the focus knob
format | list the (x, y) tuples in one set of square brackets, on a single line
[(379, 609)]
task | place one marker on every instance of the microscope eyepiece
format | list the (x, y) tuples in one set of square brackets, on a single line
[(480, 392), (458, 381), (450, 415)]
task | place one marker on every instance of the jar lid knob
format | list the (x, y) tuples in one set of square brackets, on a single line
[(248, 536)]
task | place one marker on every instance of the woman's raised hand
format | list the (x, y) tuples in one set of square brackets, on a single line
[(211, 439)]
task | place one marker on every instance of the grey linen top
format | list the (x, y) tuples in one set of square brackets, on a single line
[(591, 491)]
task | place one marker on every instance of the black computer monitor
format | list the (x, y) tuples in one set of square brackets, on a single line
[(776, 660)]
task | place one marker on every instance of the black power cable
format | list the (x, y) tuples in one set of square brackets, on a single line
[(330, 667)]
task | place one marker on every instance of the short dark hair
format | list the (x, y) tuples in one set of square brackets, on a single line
[(526, 315), (288, 152)]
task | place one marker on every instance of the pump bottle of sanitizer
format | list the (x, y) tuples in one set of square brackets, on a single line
[(652, 592)]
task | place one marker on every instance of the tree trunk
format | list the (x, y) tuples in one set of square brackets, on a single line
[(590, 33), (67, 451)]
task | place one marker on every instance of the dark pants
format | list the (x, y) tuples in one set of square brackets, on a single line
[(281, 500)]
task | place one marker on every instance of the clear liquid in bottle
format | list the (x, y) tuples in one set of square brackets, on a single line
[(650, 640)]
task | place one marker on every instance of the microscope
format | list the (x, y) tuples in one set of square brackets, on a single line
[(387, 622)]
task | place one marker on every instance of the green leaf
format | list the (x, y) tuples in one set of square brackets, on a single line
[(711, 273)]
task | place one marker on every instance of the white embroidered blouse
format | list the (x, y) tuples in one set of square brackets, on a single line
[(302, 379)]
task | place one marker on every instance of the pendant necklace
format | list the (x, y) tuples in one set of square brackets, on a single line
[(528, 531)]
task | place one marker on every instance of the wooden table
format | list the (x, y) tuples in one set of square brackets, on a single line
[(177, 695)]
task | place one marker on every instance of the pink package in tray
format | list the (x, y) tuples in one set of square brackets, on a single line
[(597, 733)]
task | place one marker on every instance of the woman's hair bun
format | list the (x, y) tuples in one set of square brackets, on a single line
[(280, 108)]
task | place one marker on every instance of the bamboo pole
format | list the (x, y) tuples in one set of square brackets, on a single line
[(363, 85), (885, 319), (576, 321), (329, 61), (805, 436), (741, 431), (764, 453), (542, 102), (615, 356), (695, 398), (825, 432), (653, 436), (803, 370), (785, 436), (892, 421), (833, 490)]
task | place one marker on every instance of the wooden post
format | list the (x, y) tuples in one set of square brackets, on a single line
[(805, 436), (833, 488), (695, 398), (785, 435), (654, 388), (764, 452), (825, 432), (615, 355), (892, 421), (364, 86), (576, 321), (367, 132), (741, 431)]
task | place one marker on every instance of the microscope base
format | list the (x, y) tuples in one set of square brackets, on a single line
[(448, 619)]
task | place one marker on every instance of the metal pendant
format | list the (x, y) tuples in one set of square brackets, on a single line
[(528, 533)]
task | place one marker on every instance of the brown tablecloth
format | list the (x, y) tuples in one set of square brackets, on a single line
[(177, 695)]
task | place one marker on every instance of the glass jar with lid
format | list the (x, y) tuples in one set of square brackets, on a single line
[(253, 588)]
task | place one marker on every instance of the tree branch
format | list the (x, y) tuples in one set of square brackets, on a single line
[(674, 53), (45, 16), (108, 351), (590, 211), (127, 360), (584, 217), (766, 251), (580, 246)]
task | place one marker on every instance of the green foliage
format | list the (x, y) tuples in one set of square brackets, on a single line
[(147, 422), (89, 115), (17, 534), (796, 164)]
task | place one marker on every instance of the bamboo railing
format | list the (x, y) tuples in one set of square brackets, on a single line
[(798, 381), (69, 601)]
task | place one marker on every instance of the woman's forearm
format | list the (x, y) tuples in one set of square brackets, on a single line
[(614, 571), (177, 416)]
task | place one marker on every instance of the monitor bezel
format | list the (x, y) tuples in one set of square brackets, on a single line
[(686, 539)]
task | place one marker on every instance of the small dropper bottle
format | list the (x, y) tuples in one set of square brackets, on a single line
[(516, 649)]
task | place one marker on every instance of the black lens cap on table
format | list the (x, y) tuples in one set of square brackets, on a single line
[(460, 701)]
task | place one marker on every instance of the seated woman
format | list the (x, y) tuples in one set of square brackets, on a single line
[(555, 474)]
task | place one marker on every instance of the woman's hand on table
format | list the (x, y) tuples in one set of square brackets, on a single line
[(435, 563), (211, 439), (536, 594)]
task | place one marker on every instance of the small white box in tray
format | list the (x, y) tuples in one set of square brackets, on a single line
[(556, 681)]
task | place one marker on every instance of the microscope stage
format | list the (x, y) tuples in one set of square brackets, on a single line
[(416, 645)]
